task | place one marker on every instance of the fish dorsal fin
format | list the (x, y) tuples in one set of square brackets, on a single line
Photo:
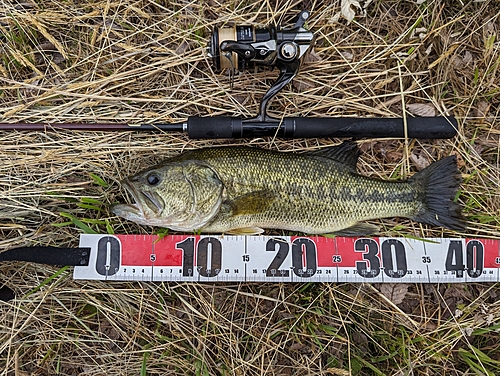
[(346, 153)]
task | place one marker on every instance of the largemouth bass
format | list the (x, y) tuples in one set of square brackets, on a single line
[(243, 190)]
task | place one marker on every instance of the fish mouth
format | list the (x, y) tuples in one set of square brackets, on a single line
[(142, 199), (153, 201)]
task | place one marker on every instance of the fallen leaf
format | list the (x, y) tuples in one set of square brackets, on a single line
[(395, 292), (184, 47), (482, 109), (421, 109), (421, 32), (347, 10), (457, 292), (467, 59), (428, 50), (478, 148), (393, 156), (419, 161), (462, 61), (46, 46), (303, 84), (468, 331), (360, 338), (490, 319), (347, 55), (386, 151), (311, 56)]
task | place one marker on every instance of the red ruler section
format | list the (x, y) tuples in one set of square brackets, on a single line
[(145, 250), (289, 259)]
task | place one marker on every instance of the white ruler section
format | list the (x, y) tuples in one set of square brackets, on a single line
[(289, 259)]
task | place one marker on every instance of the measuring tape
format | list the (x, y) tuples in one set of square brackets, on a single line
[(288, 259)]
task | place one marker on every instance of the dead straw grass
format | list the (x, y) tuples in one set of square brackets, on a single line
[(143, 61)]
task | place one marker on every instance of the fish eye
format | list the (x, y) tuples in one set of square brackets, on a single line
[(153, 178)]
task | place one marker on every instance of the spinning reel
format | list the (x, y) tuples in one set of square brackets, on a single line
[(243, 47)]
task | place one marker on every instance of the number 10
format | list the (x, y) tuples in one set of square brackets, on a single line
[(208, 256)]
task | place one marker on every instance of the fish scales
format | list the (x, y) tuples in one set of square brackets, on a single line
[(315, 193)]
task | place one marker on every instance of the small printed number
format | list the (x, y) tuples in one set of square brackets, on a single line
[(426, 259)]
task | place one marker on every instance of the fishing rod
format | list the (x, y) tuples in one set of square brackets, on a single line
[(242, 47)]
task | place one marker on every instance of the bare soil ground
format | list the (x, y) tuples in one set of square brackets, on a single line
[(145, 61)]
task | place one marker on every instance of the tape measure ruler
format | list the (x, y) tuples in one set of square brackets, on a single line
[(206, 258)]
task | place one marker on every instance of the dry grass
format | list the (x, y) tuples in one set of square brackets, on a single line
[(144, 61)]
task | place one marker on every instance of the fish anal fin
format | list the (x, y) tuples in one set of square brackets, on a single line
[(358, 229), (245, 231)]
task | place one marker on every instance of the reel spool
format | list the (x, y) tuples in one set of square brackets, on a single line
[(248, 39)]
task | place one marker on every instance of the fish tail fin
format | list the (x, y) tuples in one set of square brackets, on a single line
[(440, 183)]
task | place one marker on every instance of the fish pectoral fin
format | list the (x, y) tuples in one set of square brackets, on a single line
[(357, 229), (245, 231), (251, 203)]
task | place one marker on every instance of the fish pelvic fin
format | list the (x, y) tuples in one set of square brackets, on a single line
[(245, 231), (358, 229), (439, 183)]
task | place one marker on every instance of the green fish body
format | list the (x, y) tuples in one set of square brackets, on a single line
[(243, 190)]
